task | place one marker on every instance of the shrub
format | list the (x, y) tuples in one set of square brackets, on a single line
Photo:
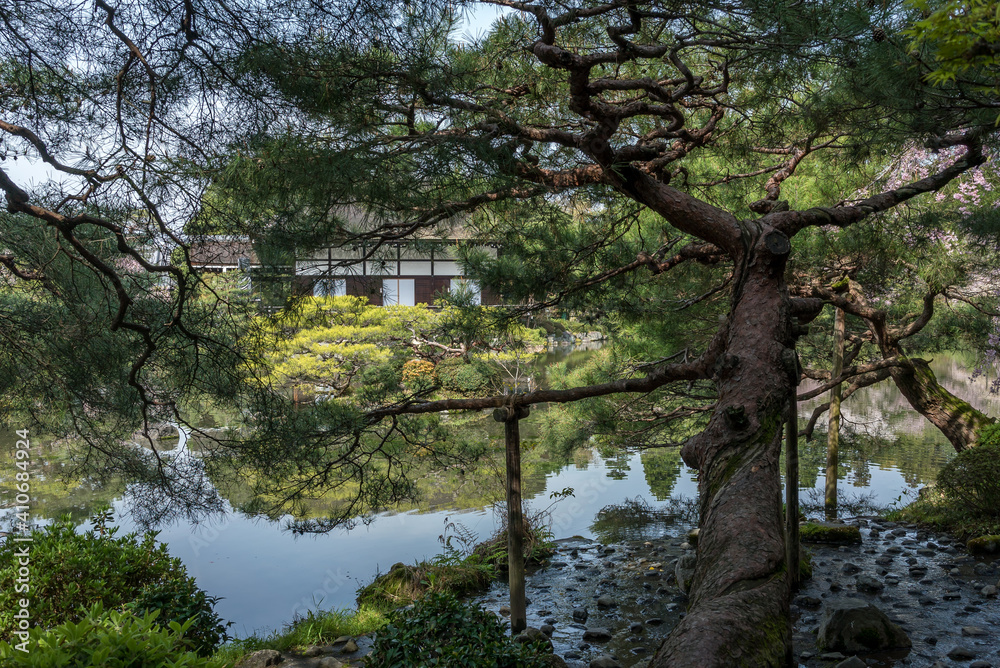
[(107, 640), (990, 434), (418, 370), (439, 630), (179, 601), (472, 378), (71, 572), (972, 479)]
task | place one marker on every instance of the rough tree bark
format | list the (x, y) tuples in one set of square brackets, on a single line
[(738, 613), (955, 417)]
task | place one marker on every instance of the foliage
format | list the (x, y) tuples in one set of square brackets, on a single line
[(179, 601), (109, 639), (472, 378), (963, 35), (439, 630), (972, 478), (71, 571), (418, 370), (933, 510)]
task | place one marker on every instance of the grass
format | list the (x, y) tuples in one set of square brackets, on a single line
[(404, 584), (316, 628), (933, 510)]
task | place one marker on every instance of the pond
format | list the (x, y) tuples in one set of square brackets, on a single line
[(266, 574)]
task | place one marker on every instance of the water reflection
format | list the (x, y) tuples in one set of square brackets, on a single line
[(886, 450)]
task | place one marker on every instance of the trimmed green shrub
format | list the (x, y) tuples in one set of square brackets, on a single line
[(440, 630), (470, 378), (107, 640), (972, 479), (70, 572)]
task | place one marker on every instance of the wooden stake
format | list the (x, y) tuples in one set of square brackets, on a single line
[(833, 432), (515, 517)]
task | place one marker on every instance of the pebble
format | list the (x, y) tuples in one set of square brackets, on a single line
[(597, 633), (961, 654), (853, 662)]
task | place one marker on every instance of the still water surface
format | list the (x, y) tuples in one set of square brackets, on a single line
[(266, 575)]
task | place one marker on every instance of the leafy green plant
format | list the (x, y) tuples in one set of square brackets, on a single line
[(972, 478), (439, 630), (179, 601), (71, 572), (108, 639)]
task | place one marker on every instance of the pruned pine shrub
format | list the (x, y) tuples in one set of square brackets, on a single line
[(418, 371)]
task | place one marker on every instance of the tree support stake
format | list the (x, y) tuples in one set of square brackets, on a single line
[(510, 416)]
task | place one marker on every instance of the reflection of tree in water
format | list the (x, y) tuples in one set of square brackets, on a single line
[(56, 490), (635, 519), (662, 467), (917, 456), (616, 460)]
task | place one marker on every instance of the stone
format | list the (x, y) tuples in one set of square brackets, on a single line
[(329, 662), (341, 639), (692, 536), (984, 545), (261, 659), (350, 647), (807, 601), (869, 585), (554, 661), (980, 664), (961, 654), (505, 610), (548, 629), (531, 634), (853, 625), (853, 662), (315, 650), (989, 591), (605, 661), (684, 571), (597, 633), (606, 602), (654, 621), (828, 532), (973, 631), (580, 615)]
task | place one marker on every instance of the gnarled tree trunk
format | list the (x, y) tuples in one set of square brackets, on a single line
[(738, 614), (956, 418)]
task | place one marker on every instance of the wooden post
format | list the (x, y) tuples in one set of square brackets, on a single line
[(515, 517), (833, 433), (792, 490)]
